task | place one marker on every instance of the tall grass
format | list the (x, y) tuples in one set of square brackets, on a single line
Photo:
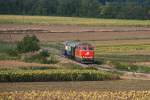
[(5, 47), (14, 19), (132, 67), (122, 58), (123, 48), (54, 75), (123, 53), (7, 51)]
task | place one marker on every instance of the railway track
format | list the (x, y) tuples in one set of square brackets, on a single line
[(126, 74), (105, 67), (99, 67)]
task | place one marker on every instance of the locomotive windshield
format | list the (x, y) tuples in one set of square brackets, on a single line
[(91, 48), (84, 48)]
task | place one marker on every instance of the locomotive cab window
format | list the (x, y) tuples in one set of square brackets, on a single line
[(84, 48), (91, 48)]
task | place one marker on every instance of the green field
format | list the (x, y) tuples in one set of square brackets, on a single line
[(55, 75), (127, 53), (49, 20), (122, 54)]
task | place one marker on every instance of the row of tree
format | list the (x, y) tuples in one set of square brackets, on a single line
[(126, 9)]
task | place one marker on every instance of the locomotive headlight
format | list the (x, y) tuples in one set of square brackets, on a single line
[(87, 53)]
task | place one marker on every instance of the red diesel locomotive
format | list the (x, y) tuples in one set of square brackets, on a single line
[(82, 52)]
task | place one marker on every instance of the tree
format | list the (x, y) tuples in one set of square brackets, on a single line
[(129, 9), (28, 44), (89, 8)]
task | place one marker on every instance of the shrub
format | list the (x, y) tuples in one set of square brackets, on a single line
[(28, 44), (44, 53), (12, 52), (52, 59), (40, 57)]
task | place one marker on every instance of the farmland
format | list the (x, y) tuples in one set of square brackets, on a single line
[(67, 95), (120, 45), (137, 89), (13, 19), (112, 43)]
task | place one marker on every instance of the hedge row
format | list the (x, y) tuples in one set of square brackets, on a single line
[(55, 75)]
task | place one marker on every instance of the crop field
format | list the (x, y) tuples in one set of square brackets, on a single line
[(79, 95), (122, 45), (55, 75), (10, 19), (121, 89), (112, 43), (61, 33), (128, 53)]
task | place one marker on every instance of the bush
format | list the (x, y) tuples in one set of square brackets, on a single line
[(28, 44), (44, 53), (52, 59), (12, 52), (40, 57)]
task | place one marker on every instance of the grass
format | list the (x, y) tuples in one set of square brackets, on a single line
[(7, 51), (38, 58), (123, 58), (49, 20), (78, 95), (123, 48), (132, 67), (55, 75), (123, 53), (5, 47), (5, 56)]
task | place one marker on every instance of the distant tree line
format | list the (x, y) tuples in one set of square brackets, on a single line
[(124, 9)]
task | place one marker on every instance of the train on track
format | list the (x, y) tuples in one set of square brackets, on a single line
[(81, 52)]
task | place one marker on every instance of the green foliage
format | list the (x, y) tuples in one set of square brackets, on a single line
[(6, 46), (132, 67), (28, 44), (44, 53), (12, 52), (54, 75), (8, 51), (131, 9), (5, 56), (36, 68), (42, 57), (52, 59), (123, 53), (122, 58), (53, 20)]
